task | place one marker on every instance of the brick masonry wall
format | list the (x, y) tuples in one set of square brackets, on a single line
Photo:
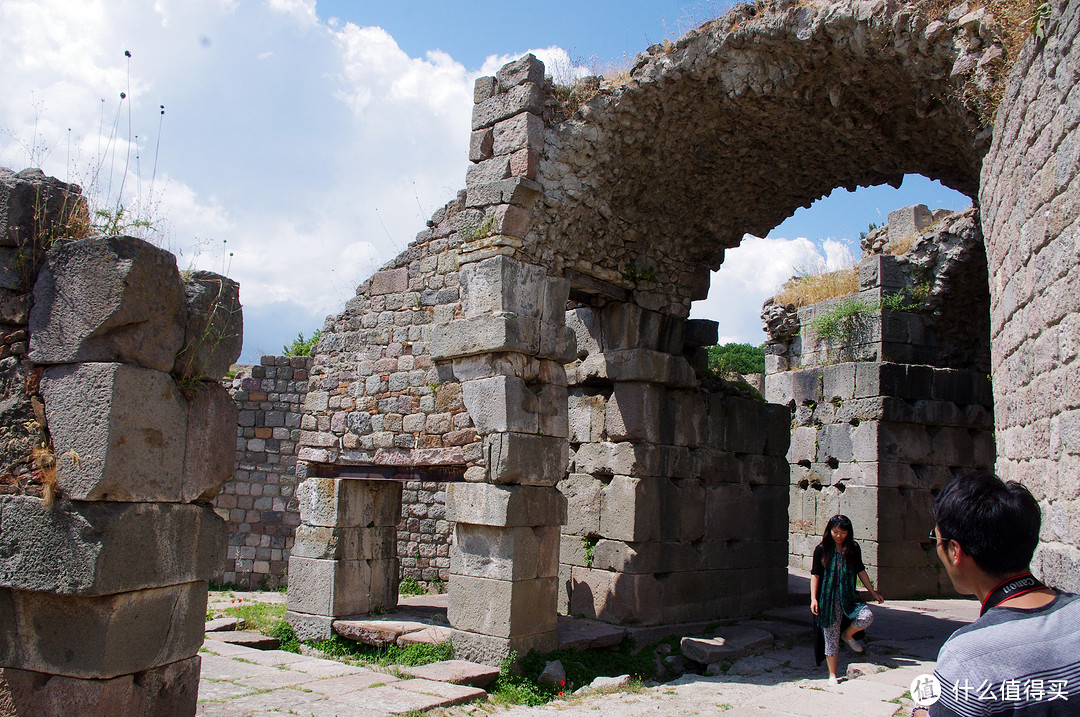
[(1030, 196), (424, 534), (259, 503)]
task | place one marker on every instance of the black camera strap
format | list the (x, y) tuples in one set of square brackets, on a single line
[(1014, 586)]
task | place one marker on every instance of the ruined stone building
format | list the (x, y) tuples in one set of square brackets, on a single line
[(531, 350)]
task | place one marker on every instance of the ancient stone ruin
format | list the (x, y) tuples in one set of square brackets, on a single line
[(531, 350), (116, 436)]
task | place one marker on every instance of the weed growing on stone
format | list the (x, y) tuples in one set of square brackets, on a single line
[(338, 647), (285, 635), (259, 616), (589, 542), (410, 586), (811, 288)]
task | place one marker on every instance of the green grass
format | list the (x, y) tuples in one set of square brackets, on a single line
[(259, 616), (410, 586), (412, 655)]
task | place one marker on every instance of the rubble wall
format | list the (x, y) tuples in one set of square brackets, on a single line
[(1031, 214)]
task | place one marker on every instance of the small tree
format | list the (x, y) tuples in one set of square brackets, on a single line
[(301, 346), (737, 359)]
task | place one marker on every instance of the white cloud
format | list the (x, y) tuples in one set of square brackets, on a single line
[(301, 10), (557, 63), (753, 272)]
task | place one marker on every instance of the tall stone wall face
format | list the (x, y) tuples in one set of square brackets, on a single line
[(259, 503), (1030, 197), (876, 429), (677, 495), (109, 544)]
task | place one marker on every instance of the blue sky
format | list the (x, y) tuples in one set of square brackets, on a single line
[(304, 144)]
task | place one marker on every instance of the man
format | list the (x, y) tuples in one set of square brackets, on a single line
[(1022, 656)]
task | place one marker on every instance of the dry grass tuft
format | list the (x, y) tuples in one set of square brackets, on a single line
[(900, 246), (812, 288)]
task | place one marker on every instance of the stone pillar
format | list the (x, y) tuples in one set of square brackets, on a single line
[(103, 578), (344, 557), (507, 351)]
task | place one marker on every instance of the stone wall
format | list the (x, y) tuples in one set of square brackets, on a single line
[(259, 502), (1030, 196), (881, 421), (107, 533)]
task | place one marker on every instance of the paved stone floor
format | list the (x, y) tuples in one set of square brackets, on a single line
[(902, 644)]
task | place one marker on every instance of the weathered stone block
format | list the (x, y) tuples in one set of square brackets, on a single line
[(97, 548), (213, 326), (689, 418), (523, 131), (167, 690), (310, 627), (585, 324), (119, 432), (485, 334), (489, 170), (481, 145), (633, 459), (502, 608), (522, 553), (526, 459), (582, 493), (880, 271), (340, 587), (526, 97), (501, 403), (519, 191), (909, 221), (209, 451), (701, 332), (838, 382), (356, 543), (390, 281), (490, 650), (557, 342), (630, 509), (502, 284), (101, 637), (506, 506), (632, 412), (484, 88), (525, 69), (108, 299), (349, 502), (741, 426), (585, 415), (636, 365), (620, 598)]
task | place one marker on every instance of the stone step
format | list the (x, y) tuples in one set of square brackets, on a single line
[(246, 638), (458, 672), (581, 634), (376, 632), (224, 624), (730, 643)]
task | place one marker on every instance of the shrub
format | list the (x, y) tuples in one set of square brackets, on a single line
[(740, 359), (301, 346)]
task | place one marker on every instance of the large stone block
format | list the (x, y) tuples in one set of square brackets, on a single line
[(526, 459), (523, 131), (501, 403), (210, 451), (585, 415), (630, 508), (340, 587), (101, 637), (504, 505), (525, 69), (526, 97), (349, 502), (585, 324), (355, 543), (214, 326), (582, 493), (620, 598), (119, 432), (484, 551), (168, 691), (485, 334), (98, 548), (108, 299), (501, 284), (635, 365), (502, 608), (909, 221), (633, 459), (633, 412), (310, 627)]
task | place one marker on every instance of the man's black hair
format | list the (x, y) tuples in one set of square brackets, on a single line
[(995, 522)]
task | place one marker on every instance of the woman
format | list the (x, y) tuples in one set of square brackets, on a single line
[(837, 560)]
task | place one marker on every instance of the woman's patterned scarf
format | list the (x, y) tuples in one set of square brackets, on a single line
[(838, 578)]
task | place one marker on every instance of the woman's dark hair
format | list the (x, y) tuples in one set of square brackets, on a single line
[(995, 522), (829, 546)]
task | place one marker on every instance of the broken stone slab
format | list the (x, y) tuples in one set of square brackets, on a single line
[(98, 548), (728, 644), (167, 690), (456, 672), (580, 634), (224, 624), (349, 502), (214, 326), (376, 632), (507, 506), (108, 299), (431, 635), (210, 449), (119, 432), (101, 637), (246, 638)]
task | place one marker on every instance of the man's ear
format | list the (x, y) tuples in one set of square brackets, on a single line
[(955, 553)]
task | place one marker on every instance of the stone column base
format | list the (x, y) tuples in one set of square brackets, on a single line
[(488, 650), (310, 627)]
